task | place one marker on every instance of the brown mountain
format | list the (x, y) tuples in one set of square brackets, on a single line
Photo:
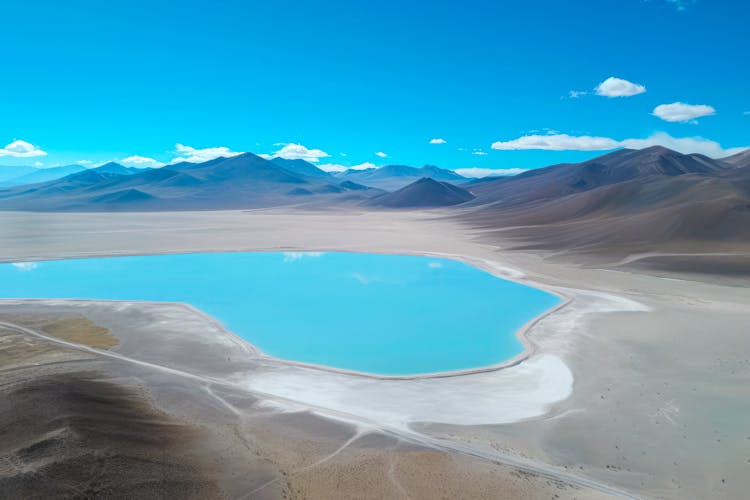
[(425, 192), (651, 200)]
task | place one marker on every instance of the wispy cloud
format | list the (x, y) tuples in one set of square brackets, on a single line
[(475, 172), (142, 161), (575, 94), (564, 142), (295, 256), (25, 266), (299, 152), (438, 141), (195, 155), (435, 265), (21, 149), (335, 167), (685, 145), (617, 87), (381, 154), (557, 142), (681, 112)]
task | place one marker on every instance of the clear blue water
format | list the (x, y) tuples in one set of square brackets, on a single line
[(383, 314)]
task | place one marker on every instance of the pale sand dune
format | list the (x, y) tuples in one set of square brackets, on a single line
[(660, 389)]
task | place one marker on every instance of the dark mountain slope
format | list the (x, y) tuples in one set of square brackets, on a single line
[(425, 192), (739, 160), (565, 179), (627, 202)]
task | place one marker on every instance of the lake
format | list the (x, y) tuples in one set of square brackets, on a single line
[(380, 314)]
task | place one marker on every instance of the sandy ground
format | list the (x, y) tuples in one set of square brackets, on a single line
[(659, 369)]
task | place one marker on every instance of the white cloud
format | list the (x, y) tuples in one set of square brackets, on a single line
[(557, 142), (435, 265), (488, 172), (364, 166), (479, 153), (142, 161), (617, 87), (38, 164), (564, 142), (681, 112), (381, 154), (21, 149), (299, 152), (25, 266), (295, 256), (685, 145), (335, 167), (575, 94), (194, 155), (438, 141), (332, 167)]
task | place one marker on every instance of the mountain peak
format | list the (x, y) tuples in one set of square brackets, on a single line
[(423, 193)]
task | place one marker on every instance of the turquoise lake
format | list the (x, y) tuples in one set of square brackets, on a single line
[(381, 314)]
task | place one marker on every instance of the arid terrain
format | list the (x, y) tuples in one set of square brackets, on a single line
[(659, 369)]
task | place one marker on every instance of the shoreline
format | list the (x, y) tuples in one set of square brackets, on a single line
[(543, 366), (494, 268)]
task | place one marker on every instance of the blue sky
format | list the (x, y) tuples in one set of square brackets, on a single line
[(344, 80)]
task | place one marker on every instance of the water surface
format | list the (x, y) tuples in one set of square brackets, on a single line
[(382, 314)]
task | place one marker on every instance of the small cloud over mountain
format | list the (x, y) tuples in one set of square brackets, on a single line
[(299, 152), (141, 161), (556, 142), (335, 167), (565, 142), (195, 155)]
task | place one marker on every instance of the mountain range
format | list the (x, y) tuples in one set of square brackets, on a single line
[(611, 199), (622, 203), (242, 181)]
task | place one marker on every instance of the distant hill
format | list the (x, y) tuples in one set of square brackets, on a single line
[(739, 160), (242, 181), (116, 168), (42, 175), (302, 167), (9, 172), (565, 179), (621, 202), (393, 177), (422, 193)]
